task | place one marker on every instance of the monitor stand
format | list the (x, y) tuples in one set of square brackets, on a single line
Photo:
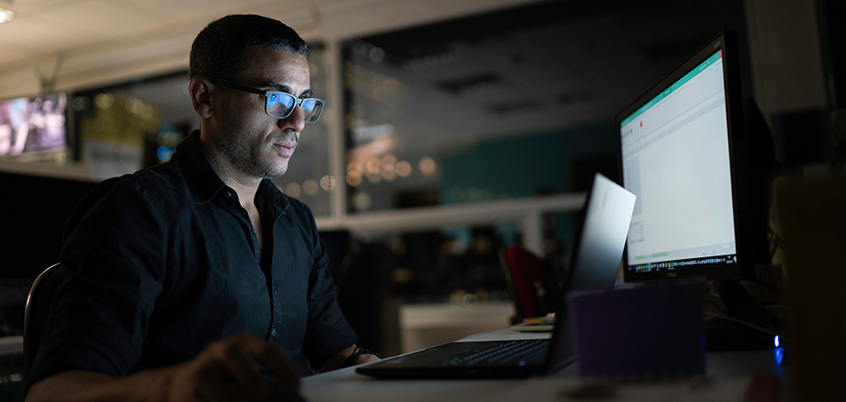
[(728, 335)]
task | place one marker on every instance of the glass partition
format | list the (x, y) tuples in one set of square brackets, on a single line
[(469, 111), (509, 104)]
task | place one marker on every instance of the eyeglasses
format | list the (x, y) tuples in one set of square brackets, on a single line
[(279, 104)]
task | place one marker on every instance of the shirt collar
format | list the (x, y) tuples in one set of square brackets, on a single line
[(268, 191), (204, 182)]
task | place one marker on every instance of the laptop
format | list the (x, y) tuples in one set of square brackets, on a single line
[(598, 249)]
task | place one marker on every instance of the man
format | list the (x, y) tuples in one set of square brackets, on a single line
[(197, 279)]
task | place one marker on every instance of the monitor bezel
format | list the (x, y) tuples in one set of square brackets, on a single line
[(727, 43)]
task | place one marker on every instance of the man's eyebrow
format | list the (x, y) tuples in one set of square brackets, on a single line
[(284, 88)]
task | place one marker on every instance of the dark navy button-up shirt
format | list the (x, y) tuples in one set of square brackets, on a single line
[(159, 263)]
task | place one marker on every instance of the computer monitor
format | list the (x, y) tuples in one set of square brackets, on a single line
[(701, 205), (676, 154)]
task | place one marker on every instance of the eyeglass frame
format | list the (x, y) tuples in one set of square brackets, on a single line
[(243, 88)]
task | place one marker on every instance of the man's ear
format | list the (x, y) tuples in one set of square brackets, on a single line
[(201, 99)]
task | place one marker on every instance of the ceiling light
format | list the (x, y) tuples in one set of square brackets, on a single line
[(6, 15)]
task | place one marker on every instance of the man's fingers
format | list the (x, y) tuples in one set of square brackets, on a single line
[(273, 358), (228, 371), (366, 358), (215, 387), (247, 377)]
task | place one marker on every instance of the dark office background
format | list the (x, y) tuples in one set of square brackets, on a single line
[(431, 265)]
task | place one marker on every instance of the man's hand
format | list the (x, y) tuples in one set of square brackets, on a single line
[(226, 368), (337, 360), (365, 358), (224, 371)]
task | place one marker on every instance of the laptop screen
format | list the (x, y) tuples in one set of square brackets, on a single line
[(594, 265)]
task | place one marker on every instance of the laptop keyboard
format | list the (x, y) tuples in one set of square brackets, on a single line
[(507, 352)]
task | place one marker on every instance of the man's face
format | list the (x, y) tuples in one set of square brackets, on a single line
[(253, 142)]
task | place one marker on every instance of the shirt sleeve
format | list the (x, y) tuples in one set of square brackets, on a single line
[(113, 264), (328, 331)]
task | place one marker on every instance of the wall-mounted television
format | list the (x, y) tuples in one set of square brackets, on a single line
[(31, 127)]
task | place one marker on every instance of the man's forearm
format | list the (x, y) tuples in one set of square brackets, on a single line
[(225, 370), (73, 386)]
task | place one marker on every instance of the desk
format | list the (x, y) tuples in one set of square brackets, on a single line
[(728, 374)]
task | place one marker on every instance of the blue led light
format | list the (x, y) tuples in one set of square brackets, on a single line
[(163, 153), (776, 341), (779, 355)]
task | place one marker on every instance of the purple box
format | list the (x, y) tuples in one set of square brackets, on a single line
[(648, 333)]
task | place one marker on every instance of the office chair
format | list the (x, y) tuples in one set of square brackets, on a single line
[(522, 269), (37, 307)]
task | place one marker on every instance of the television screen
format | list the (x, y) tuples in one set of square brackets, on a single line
[(32, 124)]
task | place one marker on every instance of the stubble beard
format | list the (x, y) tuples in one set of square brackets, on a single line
[(243, 156)]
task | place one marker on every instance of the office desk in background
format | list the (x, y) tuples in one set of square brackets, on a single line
[(728, 376), (11, 368), (11, 346)]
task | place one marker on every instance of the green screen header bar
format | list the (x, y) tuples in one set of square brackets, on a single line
[(683, 80)]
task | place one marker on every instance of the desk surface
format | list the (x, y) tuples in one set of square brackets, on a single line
[(728, 375)]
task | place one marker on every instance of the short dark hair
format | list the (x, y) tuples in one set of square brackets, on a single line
[(220, 49)]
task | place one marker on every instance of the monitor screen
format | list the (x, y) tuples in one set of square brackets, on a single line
[(33, 124), (676, 156)]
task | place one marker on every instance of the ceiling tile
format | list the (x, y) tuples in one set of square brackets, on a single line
[(27, 5), (8, 55), (189, 9), (111, 18), (32, 36)]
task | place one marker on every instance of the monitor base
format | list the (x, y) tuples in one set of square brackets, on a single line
[(727, 335), (724, 334)]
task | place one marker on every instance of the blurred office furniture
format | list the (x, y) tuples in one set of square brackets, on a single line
[(522, 269), (11, 346), (11, 368), (533, 283), (422, 325), (37, 307), (13, 292)]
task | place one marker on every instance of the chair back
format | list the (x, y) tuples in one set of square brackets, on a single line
[(521, 268), (37, 307)]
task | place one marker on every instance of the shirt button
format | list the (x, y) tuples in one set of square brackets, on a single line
[(273, 332), (254, 230), (227, 195)]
